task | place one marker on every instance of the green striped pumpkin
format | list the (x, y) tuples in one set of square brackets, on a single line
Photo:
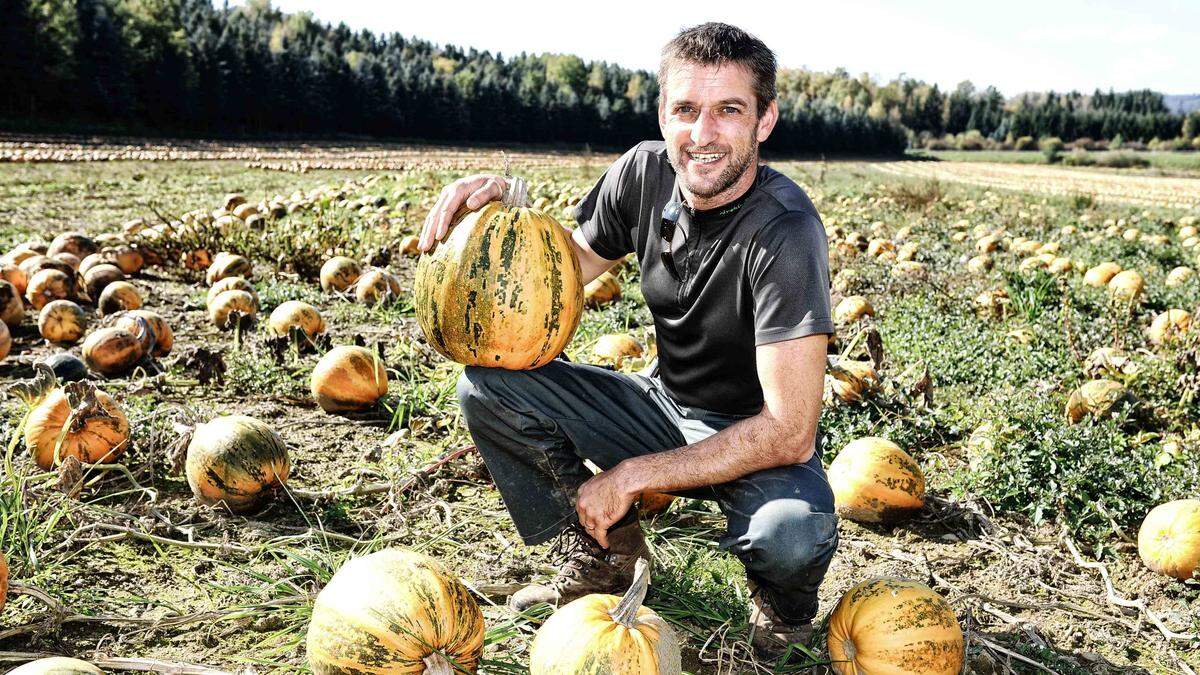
[(236, 460), (503, 290)]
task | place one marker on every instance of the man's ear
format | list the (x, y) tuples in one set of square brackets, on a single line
[(767, 122)]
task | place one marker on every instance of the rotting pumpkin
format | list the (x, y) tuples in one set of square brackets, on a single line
[(78, 421), (874, 481), (503, 290), (395, 611), (237, 461), (113, 351)]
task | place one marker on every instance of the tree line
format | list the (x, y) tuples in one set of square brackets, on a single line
[(190, 67)]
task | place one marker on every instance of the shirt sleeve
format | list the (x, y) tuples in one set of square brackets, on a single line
[(788, 268), (606, 227)]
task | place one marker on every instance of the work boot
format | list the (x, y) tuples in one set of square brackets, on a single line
[(587, 567), (770, 635)]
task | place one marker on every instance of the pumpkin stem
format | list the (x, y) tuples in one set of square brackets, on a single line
[(625, 613), (517, 194), (437, 664)]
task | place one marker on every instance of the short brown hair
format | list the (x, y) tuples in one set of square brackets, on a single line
[(717, 44)]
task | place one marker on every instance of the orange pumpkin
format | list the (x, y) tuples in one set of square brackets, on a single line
[(894, 627), (62, 321), (199, 259), (119, 296), (13, 274), (229, 284), (129, 259), (49, 285), (99, 277), (68, 259), (12, 309), (90, 424), (1169, 539), (3, 581), (102, 258), (654, 503), (298, 314), (227, 265), (227, 303), (5, 341), (349, 378), (376, 286), (339, 273), (852, 308), (158, 338), (113, 351), (76, 243), (874, 480), (237, 461), (602, 290)]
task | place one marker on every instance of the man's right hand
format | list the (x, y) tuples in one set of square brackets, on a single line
[(472, 191)]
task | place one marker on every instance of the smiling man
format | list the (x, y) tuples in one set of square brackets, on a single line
[(734, 270)]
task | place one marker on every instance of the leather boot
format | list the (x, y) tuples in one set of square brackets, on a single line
[(587, 567), (770, 635)]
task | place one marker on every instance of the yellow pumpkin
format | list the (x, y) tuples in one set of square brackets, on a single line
[(229, 284), (1098, 398), (62, 321), (227, 265), (1126, 286), (395, 611), (296, 313), (156, 335), (47, 285), (226, 303), (894, 627), (237, 461), (1179, 276), (12, 309), (1169, 539), (1169, 326), (376, 286), (57, 665), (119, 296), (13, 274), (851, 381), (615, 349), (102, 258), (602, 290), (601, 633), (113, 351), (408, 246), (504, 290), (349, 378), (81, 422), (852, 308), (1101, 274), (76, 243), (874, 481), (339, 273)]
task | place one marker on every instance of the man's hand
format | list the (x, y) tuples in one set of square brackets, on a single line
[(603, 500), (473, 191)]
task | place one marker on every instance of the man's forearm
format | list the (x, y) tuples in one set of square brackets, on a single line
[(753, 444)]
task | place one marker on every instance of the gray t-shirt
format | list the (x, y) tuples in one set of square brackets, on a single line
[(758, 276)]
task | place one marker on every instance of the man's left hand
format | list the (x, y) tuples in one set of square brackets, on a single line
[(603, 500)]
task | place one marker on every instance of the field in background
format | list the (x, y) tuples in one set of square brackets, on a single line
[(1026, 526), (1166, 161)]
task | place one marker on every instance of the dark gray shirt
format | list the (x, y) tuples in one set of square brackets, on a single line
[(753, 278)]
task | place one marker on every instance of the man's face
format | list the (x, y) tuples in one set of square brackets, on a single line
[(709, 119)]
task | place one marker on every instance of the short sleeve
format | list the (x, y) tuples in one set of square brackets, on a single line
[(605, 223), (788, 268)]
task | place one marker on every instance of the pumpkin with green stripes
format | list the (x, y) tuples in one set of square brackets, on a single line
[(395, 611), (894, 627), (57, 665), (237, 461), (503, 290)]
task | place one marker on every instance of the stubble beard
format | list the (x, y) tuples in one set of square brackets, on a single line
[(734, 169)]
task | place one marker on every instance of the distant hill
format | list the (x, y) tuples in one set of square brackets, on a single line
[(1182, 103)]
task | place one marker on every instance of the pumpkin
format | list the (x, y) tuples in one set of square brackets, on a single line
[(57, 665), (875, 481), (229, 284), (852, 308), (910, 269), (62, 321), (5, 341), (1169, 326), (68, 259), (12, 309), (653, 503), (1126, 286), (1098, 398), (76, 243), (503, 290), (877, 248), (237, 461), (158, 338), (1109, 362), (894, 627), (1179, 276), (227, 265), (244, 211), (119, 296), (228, 302), (90, 424), (408, 246), (1101, 274), (299, 314), (602, 633), (339, 273), (395, 611), (376, 286), (113, 351), (233, 200), (24, 252), (102, 258), (13, 274), (615, 349), (196, 260), (3, 580), (851, 381), (349, 378), (99, 277), (1169, 539), (66, 367), (992, 304), (602, 290), (49, 285), (129, 259)]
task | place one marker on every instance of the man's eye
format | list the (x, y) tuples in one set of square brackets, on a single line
[(730, 110)]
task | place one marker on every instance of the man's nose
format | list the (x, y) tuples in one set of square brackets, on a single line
[(704, 130)]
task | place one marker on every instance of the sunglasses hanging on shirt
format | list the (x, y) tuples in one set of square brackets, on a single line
[(670, 220)]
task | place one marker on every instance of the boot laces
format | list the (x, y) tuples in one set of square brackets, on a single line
[(574, 551)]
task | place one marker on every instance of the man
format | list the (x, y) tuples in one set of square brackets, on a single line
[(739, 290)]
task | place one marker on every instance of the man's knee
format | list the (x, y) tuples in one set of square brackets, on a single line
[(478, 386), (789, 537)]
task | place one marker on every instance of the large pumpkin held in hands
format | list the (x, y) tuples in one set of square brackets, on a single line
[(504, 290), (1169, 539), (894, 627), (236, 461), (874, 481), (76, 421), (601, 633), (395, 611)]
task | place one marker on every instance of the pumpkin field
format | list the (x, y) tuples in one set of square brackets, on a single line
[(1011, 420)]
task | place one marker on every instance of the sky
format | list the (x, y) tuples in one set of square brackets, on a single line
[(1015, 45)]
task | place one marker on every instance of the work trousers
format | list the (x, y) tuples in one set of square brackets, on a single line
[(535, 428)]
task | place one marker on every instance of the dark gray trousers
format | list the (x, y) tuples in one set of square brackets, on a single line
[(534, 428)]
